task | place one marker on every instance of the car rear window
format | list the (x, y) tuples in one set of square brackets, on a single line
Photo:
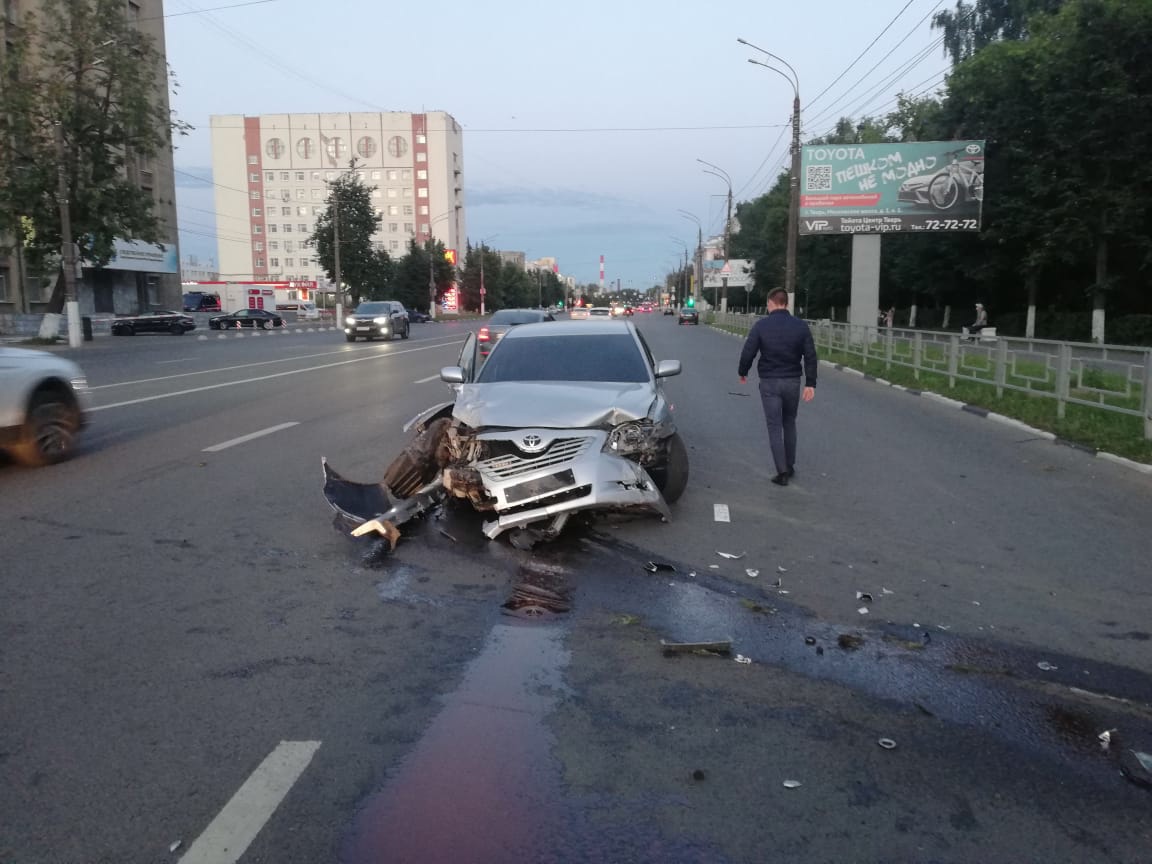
[(516, 316), (600, 357)]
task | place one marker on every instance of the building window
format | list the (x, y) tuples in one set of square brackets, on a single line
[(393, 193), (258, 246), (274, 148), (329, 175), (423, 193), (256, 211), (394, 245), (366, 147), (256, 229), (421, 139), (273, 245), (271, 228), (301, 194), (289, 262), (426, 229), (273, 262), (304, 148), (285, 176), (408, 227), (269, 176), (397, 146), (289, 246), (285, 194), (393, 174), (254, 195), (423, 209), (405, 173), (336, 148), (287, 228), (316, 211), (375, 193), (253, 177), (301, 211), (316, 194), (253, 160), (303, 229), (259, 262), (375, 175), (269, 193), (299, 176), (421, 157), (422, 174), (393, 210), (315, 176), (393, 227), (407, 209)]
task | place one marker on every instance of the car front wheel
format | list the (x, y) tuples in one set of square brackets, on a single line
[(49, 431), (671, 476), (349, 338)]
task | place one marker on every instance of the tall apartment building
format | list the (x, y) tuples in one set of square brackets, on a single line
[(140, 276), (272, 173)]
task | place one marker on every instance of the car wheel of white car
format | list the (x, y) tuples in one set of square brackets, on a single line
[(671, 478), (49, 431)]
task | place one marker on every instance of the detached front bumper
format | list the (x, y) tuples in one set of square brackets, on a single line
[(568, 473)]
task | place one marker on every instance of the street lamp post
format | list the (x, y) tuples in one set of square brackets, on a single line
[(699, 252), (794, 185), (723, 175), (432, 263), (484, 248)]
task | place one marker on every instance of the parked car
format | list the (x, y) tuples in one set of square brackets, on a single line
[(175, 323), (689, 315), (563, 417), (415, 316), (503, 321), (201, 301), (261, 318), (43, 405), (578, 313), (383, 319)]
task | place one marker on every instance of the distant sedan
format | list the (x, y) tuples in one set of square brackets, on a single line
[(688, 315), (175, 323), (246, 318), (417, 317)]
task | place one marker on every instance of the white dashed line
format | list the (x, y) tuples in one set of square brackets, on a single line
[(435, 377), (232, 831), (244, 439)]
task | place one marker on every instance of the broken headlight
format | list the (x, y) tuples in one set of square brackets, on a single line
[(630, 438)]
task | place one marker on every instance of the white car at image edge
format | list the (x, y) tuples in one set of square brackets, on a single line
[(43, 406)]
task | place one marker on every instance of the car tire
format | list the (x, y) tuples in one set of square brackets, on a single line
[(349, 338), (127, 330), (176, 330), (264, 325), (671, 477), (404, 335), (49, 434)]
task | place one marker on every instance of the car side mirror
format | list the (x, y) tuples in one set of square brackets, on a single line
[(666, 368), (452, 375)]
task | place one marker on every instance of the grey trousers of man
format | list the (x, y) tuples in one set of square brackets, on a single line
[(781, 400)]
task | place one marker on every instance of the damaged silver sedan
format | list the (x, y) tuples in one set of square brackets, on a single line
[(560, 418)]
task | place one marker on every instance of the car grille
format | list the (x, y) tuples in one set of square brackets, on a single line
[(513, 464), (558, 498)]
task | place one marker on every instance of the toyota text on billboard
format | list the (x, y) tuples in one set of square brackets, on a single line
[(879, 188)]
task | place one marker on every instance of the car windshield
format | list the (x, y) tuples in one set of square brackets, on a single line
[(373, 309), (599, 357), (516, 316)]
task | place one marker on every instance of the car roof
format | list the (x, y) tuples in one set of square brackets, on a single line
[(569, 328)]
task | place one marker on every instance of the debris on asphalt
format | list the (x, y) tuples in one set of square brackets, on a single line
[(819, 650), (943, 626), (865, 596), (379, 526), (534, 601), (713, 566), (626, 620), (863, 610), (809, 640), (753, 606), (740, 658), (176, 845), (692, 573), (1045, 666), (779, 583), (792, 784), (886, 591), (1105, 738), (975, 602), (850, 641), (698, 775), (780, 569), (752, 574), (658, 566), (783, 592), (723, 646), (449, 536), (1137, 767), (734, 393), (887, 743), (731, 555)]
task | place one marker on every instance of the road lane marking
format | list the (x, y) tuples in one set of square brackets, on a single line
[(192, 390), (230, 834), (720, 513), (177, 360), (435, 377), (244, 439), (451, 341)]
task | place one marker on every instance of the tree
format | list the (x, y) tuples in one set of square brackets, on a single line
[(973, 26), (364, 269), (411, 274), (83, 97)]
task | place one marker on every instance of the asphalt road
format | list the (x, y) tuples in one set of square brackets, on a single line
[(191, 653)]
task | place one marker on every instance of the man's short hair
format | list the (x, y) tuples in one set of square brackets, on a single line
[(778, 296)]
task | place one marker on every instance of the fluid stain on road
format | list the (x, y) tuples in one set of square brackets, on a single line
[(482, 784)]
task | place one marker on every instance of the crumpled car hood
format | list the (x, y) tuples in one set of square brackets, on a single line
[(549, 405)]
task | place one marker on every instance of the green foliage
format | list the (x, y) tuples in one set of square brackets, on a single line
[(82, 71), (365, 271)]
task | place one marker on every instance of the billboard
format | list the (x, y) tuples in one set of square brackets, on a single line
[(880, 188), (737, 272)]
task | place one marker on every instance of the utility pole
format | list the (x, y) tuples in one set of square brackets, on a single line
[(431, 280), (337, 297), (67, 250), (793, 203), (483, 291)]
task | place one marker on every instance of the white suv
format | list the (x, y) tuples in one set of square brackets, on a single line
[(43, 404)]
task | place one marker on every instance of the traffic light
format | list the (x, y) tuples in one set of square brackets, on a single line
[(691, 302)]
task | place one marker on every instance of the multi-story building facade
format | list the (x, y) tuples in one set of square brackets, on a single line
[(192, 269), (140, 276), (273, 171)]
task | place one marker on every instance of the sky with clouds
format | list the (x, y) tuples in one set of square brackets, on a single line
[(583, 121)]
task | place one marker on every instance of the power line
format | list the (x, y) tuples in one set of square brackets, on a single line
[(594, 129), (210, 182), (201, 11), (756, 174), (862, 53)]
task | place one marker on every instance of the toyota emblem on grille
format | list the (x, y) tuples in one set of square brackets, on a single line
[(532, 443)]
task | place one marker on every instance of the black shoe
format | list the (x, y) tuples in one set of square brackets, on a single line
[(780, 479), (791, 472)]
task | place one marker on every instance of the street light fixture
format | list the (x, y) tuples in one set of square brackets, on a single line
[(483, 248), (794, 183), (430, 242), (699, 252)]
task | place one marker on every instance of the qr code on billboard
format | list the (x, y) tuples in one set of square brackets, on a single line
[(819, 178)]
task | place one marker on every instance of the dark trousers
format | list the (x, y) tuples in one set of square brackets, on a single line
[(781, 399)]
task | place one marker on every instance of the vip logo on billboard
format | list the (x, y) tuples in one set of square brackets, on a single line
[(814, 225)]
